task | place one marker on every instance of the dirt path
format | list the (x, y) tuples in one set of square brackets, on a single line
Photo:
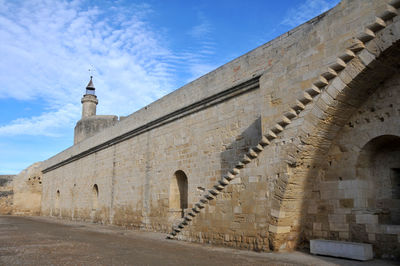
[(47, 241)]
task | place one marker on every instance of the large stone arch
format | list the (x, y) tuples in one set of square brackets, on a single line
[(342, 97)]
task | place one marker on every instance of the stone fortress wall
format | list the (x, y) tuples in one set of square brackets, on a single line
[(6, 194), (318, 106), (27, 188)]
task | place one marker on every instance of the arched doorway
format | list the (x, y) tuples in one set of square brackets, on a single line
[(178, 193), (379, 164)]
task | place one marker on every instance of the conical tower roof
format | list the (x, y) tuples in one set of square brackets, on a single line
[(90, 85)]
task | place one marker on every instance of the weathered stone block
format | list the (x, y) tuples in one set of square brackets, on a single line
[(339, 227), (366, 219), (279, 229)]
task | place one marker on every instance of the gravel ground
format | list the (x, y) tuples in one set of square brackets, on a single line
[(50, 241)]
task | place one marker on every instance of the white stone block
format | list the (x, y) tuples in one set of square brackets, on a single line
[(342, 249)]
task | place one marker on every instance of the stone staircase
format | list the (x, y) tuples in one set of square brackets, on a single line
[(307, 97)]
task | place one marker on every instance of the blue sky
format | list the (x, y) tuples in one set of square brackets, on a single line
[(139, 50)]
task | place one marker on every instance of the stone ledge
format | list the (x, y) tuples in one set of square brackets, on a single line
[(349, 250)]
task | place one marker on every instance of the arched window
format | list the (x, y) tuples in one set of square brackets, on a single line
[(178, 192), (379, 164), (57, 204), (95, 197)]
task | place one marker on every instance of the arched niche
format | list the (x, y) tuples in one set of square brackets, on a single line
[(379, 164), (95, 197), (57, 203), (178, 192)]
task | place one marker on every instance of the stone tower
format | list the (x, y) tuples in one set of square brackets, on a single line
[(90, 123), (89, 100)]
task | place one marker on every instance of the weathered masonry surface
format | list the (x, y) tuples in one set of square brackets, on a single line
[(6, 194), (296, 140)]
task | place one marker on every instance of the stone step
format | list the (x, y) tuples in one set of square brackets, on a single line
[(314, 90), (395, 3), (298, 106), (246, 159), (203, 200), (209, 196), (366, 36), (277, 129), (389, 13), (291, 114), (306, 98), (196, 209), (329, 74), (339, 65), (214, 192), (342, 249), (377, 25), (223, 182), (258, 148), (252, 154), (357, 46), (200, 205), (284, 122), (218, 187), (347, 55), (234, 171), (321, 82), (239, 165), (229, 176), (271, 135)]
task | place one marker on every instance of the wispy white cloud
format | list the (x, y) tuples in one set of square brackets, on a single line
[(306, 11), (48, 124), (196, 58), (48, 46), (52, 44), (201, 30)]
